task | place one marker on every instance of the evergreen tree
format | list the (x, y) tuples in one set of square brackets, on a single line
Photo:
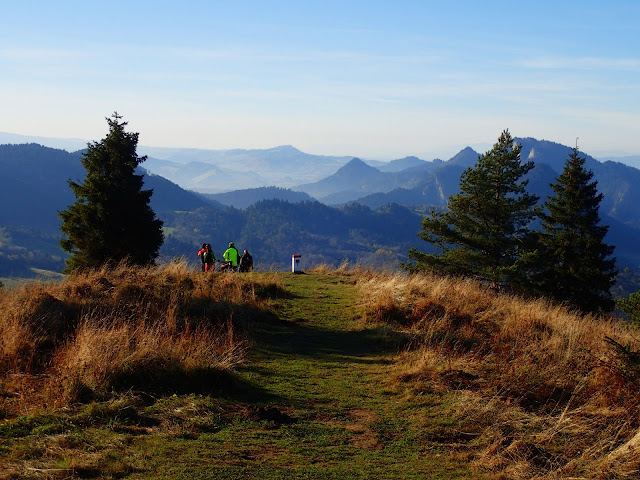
[(111, 219), (485, 231), (630, 306), (574, 261)]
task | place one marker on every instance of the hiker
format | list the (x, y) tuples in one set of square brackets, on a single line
[(246, 262), (201, 253), (231, 255), (207, 257), (210, 258)]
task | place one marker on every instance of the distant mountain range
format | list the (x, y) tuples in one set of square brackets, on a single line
[(373, 198), (68, 144), (630, 160), (432, 183), (425, 182), (217, 171)]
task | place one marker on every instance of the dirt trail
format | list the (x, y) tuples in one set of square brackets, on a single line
[(325, 379)]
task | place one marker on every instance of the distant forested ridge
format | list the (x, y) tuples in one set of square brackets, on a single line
[(245, 198), (273, 230)]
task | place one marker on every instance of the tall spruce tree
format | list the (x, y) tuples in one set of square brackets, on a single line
[(575, 264), (111, 219), (485, 231)]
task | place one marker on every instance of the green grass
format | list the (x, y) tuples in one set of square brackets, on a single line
[(313, 401)]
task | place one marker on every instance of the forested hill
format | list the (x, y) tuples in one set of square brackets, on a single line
[(249, 196), (34, 187), (273, 230)]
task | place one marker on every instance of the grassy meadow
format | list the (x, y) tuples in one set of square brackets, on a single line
[(165, 372)]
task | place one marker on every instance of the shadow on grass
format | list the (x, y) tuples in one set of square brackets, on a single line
[(165, 382), (276, 337), (273, 292)]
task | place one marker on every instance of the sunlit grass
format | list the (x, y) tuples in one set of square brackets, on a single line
[(535, 383)]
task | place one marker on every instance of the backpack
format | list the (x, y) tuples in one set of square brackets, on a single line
[(207, 257)]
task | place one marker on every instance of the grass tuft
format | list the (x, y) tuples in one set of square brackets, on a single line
[(160, 329)]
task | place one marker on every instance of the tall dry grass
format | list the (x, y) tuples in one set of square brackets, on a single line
[(534, 385), (157, 329)]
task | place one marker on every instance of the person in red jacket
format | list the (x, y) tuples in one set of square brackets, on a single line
[(201, 253), (207, 257)]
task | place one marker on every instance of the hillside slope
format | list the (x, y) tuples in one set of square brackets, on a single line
[(327, 374), (34, 187), (310, 399)]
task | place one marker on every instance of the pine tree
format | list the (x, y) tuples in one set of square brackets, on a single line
[(575, 263), (485, 231), (111, 219), (630, 306)]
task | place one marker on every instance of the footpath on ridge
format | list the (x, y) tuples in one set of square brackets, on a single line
[(327, 408), (314, 400)]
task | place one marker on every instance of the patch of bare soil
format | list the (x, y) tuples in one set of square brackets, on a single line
[(364, 437)]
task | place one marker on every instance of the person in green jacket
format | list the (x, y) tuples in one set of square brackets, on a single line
[(231, 255)]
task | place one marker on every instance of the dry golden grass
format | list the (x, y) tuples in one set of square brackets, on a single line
[(534, 384), (345, 269), (156, 329), (326, 269)]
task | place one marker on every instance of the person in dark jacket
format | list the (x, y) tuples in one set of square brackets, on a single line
[(210, 259), (246, 262), (201, 254)]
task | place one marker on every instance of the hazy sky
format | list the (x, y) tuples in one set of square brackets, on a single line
[(365, 78)]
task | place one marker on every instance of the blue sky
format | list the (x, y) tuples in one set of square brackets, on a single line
[(372, 79)]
